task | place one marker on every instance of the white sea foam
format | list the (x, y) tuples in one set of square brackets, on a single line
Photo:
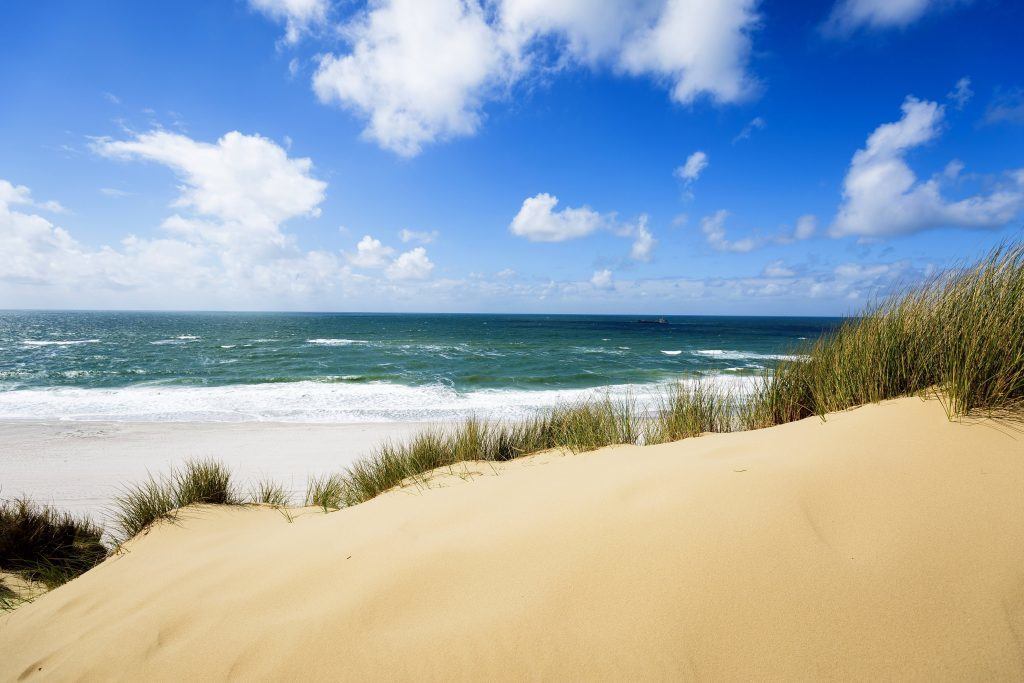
[(743, 355), (336, 342), (180, 339), (310, 401), (671, 353), (54, 342), (227, 346)]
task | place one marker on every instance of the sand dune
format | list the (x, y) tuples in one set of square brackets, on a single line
[(885, 542)]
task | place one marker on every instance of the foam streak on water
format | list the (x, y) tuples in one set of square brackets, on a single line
[(307, 401)]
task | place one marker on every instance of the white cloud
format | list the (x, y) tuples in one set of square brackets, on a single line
[(370, 254), (644, 242), (713, 227), (19, 194), (224, 247), (411, 265), (418, 71), (421, 71), (602, 279), (113, 192), (423, 237), (700, 47), (961, 93), (506, 273), (690, 171), (538, 221), (882, 196), (44, 266), (298, 16), (246, 183), (849, 15), (806, 226)]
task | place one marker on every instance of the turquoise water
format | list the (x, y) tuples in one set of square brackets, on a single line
[(362, 367)]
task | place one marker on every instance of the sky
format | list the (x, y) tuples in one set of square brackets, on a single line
[(552, 156)]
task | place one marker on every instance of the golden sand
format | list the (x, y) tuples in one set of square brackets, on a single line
[(885, 542)]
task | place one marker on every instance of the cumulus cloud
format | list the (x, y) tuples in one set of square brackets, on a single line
[(418, 71), (690, 171), (602, 279), (243, 186), (411, 265), (643, 242), (539, 221), (882, 196), (850, 15), (19, 194), (370, 254), (298, 16), (700, 47), (421, 71), (225, 242), (423, 237)]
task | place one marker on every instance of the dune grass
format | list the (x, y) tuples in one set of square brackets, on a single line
[(268, 492), (45, 545), (8, 598), (687, 410), (196, 482), (960, 335)]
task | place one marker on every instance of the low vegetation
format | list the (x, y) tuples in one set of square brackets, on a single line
[(45, 546), (196, 482), (268, 492), (8, 598), (687, 410), (960, 336)]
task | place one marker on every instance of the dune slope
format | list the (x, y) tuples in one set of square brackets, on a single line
[(886, 541)]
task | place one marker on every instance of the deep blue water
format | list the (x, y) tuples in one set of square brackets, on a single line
[(358, 367)]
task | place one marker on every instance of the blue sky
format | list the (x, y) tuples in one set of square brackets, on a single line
[(661, 156)]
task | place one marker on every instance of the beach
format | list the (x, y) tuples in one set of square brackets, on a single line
[(882, 542), (86, 395), (81, 466)]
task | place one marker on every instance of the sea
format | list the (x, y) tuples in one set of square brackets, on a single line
[(356, 367)]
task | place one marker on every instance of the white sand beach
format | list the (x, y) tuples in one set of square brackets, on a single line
[(80, 465)]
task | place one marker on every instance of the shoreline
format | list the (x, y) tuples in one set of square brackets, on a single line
[(318, 402), (80, 465)]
